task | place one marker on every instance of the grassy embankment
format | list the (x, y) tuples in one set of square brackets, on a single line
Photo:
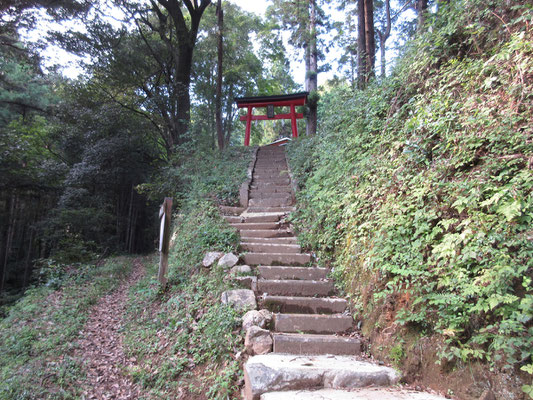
[(418, 192)]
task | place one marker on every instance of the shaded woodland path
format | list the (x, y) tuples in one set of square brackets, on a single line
[(100, 345)]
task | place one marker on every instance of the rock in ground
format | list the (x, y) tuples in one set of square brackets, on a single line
[(241, 270), (261, 318), (258, 341), (210, 258), (228, 260), (240, 299)]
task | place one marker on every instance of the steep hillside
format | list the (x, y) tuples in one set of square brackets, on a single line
[(418, 192)]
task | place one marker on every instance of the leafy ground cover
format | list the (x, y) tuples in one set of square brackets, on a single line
[(183, 338), (38, 336), (418, 192)]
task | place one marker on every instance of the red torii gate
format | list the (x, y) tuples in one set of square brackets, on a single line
[(290, 100)]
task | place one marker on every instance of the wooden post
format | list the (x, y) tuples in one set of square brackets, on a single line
[(164, 239)]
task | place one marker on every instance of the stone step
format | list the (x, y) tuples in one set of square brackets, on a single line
[(258, 217), (271, 248), (268, 185), (275, 181), (357, 394), (294, 343), (271, 168), (282, 372), (304, 305), (295, 287), (261, 209), (310, 323), (278, 240), (271, 190), (276, 258), (228, 210), (255, 225), (264, 233), (282, 272), (255, 194), (269, 202)]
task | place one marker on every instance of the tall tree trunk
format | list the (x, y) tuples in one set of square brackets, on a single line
[(220, 54), (229, 116), (383, 36), (369, 38), (312, 73), (361, 44), (27, 261), (9, 240), (421, 9)]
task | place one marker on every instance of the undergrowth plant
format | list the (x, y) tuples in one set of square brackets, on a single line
[(184, 339), (419, 189)]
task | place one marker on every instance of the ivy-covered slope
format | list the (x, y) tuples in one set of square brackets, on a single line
[(418, 190)]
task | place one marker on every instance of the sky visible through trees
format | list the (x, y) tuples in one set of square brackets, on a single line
[(55, 55)]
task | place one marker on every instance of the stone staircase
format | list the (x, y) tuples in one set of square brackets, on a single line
[(313, 348)]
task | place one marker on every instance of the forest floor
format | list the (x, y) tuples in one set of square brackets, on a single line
[(101, 348)]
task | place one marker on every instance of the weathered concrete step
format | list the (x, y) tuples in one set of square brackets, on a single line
[(276, 258), (282, 372), (255, 225), (304, 305), (294, 343), (278, 240), (251, 218), (271, 189), (276, 181), (270, 248), (357, 394), (310, 323), (269, 202), (260, 177), (264, 233), (271, 169), (228, 210), (261, 209), (282, 272), (256, 194), (294, 287)]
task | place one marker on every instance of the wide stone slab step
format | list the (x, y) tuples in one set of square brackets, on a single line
[(279, 240), (286, 287), (284, 209), (273, 195), (309, 323), (283, 372), (265, 233), (304, 305), (276, 258), (270, 202), (271, 248), (271, 189), (254, 218), (356, 394), (284, 272), (255, 225), (294, 343)]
